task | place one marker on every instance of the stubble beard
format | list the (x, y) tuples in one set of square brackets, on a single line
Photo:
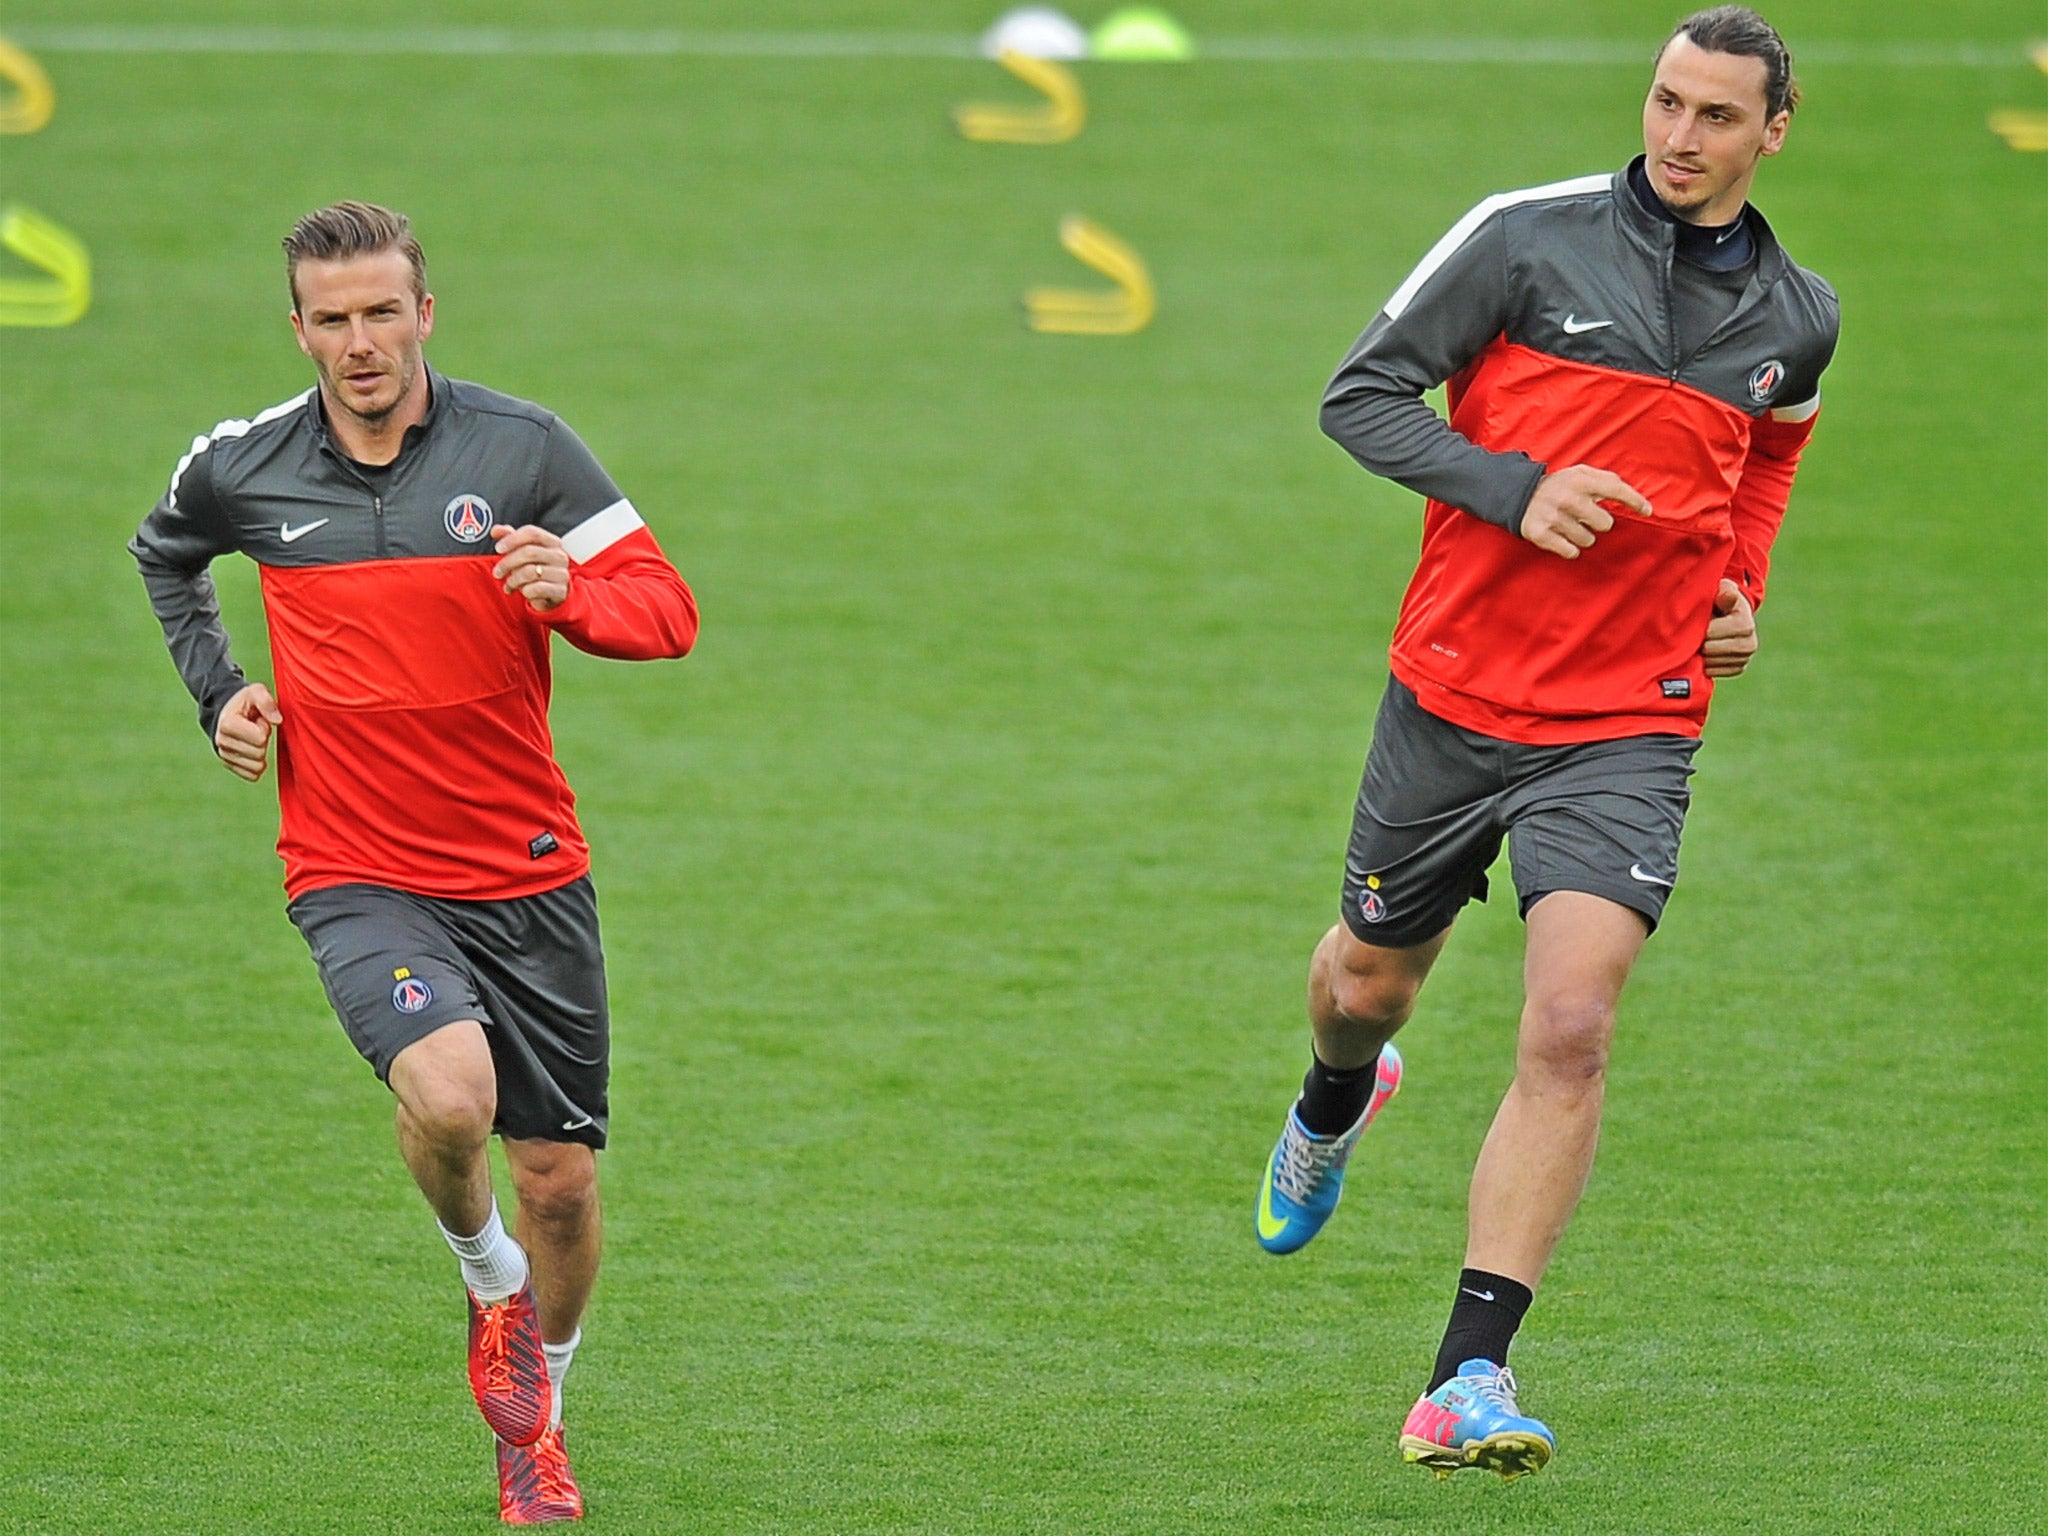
[(408, 379)]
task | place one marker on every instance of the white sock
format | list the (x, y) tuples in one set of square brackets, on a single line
[(493, 1266), (558, 1357)]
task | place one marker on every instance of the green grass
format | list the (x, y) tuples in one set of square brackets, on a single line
[(959, 890)]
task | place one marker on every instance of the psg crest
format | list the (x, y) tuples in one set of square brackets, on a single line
[(469, 517), (411, 994), (1371, 907), (1764, 382)]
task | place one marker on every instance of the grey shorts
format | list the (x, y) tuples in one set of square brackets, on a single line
[(397, 967), (1603, 817)]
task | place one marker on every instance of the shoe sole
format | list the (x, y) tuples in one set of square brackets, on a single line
[(1512, 1453)]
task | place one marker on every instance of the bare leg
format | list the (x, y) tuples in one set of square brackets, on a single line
[(447, 1097), (560, 1226), (1359, 994), (1539, 1153)]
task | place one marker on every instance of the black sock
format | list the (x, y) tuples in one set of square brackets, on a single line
[(1484, 1318), (1332, 1101)]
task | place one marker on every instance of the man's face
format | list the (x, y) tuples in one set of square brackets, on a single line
[(1705, 128), (358, 319)]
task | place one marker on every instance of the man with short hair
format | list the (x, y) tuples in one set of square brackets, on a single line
[(1634, 367), (420, 540)]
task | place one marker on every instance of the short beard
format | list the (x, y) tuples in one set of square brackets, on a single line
[(408, 376), (1689, 210)]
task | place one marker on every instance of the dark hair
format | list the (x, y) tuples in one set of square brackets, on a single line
[(352, 229), (1738, 29)]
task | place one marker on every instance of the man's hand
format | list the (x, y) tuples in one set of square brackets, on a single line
[(533, 564), (1731, 633), (1565, 515), (242, 734)]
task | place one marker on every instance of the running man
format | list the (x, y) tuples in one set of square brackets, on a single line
[(420, 540), (1634, 367)]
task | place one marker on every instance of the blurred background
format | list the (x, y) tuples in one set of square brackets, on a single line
[(959, 890)]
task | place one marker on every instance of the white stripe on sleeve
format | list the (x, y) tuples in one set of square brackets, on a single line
[(601, 530), (1805, 411), (233, 428), (1468, 226)]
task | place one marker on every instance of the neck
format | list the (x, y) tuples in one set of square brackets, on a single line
[(377, 441)]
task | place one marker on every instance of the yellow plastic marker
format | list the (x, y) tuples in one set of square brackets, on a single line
[(57, 300), (2027, 131), (1074, 312), (1054, 121), (34, 97)]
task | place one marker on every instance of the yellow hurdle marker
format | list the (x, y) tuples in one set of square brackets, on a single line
[(1055, 121), (34, 97), (57, 251), (1073, 312), (2027, 131)]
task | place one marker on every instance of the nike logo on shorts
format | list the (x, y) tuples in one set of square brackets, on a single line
[(578, 1123), (1636, 872)]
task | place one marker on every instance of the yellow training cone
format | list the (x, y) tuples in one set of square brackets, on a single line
[(2022, 130), (34, 97), (1054, 121), (66, 293), (1073, 312)]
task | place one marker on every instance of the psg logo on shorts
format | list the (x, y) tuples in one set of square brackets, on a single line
[(411, 994), (1370, 907), (469, 517), (1764, 382)]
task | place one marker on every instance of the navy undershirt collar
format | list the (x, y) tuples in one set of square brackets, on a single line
[(1713, 247)]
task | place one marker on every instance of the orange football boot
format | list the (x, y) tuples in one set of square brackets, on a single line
[(507, 1371), (535, 1485)]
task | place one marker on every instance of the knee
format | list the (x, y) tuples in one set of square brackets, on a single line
[(1374, 997), (558, 1191), (452, 1114), (1566, 1038)]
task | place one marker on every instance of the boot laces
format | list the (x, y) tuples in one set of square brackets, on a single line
[(493, 1323), (1306, 1161), (556, 1483), (1499, 1389)]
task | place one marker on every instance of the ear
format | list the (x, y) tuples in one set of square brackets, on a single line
[(299, 331), (426, 315), (1774, 132)]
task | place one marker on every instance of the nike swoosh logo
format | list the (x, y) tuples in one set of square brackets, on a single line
[(1270, 1226), (292, 535), (1574, 326), (1482, 1295), (577, 1125), (1635, 872)]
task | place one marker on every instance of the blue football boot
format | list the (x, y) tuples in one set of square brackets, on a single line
[(1472, 1421), (1305, 1174)]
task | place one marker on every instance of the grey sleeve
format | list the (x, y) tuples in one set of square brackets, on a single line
[(573, 486), (1451, 307), (173, 547)]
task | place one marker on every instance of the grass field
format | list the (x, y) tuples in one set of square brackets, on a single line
[(959, 890)]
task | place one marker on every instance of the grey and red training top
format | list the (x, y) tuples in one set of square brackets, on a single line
[(415, 751), (1569, 334)]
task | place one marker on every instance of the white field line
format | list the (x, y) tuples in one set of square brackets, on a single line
[(660, 43)]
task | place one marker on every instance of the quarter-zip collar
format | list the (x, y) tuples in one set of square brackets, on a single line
[(1657, 238)]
